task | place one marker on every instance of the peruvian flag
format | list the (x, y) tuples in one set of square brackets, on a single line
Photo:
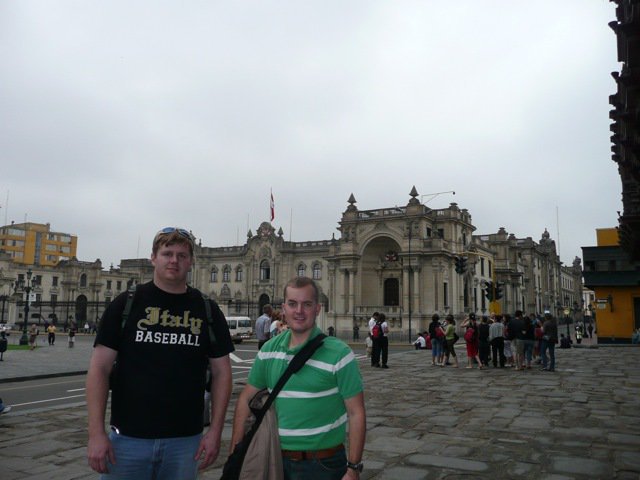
[(272, 206)]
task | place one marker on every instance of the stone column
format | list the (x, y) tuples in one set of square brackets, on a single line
[(352, 291)]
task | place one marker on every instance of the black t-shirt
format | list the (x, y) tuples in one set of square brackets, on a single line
[(483, 332), (162, 359), (516, 328)]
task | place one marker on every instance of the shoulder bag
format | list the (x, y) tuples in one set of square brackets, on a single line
[(260, 406)]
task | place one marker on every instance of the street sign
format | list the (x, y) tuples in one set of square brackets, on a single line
[(567, 311)]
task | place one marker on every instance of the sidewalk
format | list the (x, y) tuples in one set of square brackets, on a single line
[(425, 422), (46, 360)]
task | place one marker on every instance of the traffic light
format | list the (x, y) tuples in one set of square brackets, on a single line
[(488, 291), (461, 265), (499, 292)]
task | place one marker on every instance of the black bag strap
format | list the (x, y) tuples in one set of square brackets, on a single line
[(207, 309), (296, 363), (131, 292), (233, 465)]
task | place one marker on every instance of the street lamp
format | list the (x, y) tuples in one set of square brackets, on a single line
[(4, 299), (25, 287)]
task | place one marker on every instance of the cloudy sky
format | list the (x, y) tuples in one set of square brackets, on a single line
[(121, 117)]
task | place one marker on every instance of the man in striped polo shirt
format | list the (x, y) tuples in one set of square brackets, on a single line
[(316, 403)]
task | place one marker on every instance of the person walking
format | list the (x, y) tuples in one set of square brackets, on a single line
[(471, 339), (384, 341), (263, 325), (484, 347), (529, 342), (317, 403), (496, 339), (436, 333), (451, 337), (51, 334), (516, 327), (162, 344), (549, 340), (375, 343), (33, 336)]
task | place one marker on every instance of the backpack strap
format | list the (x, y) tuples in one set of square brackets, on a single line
[(131, 293), (207, 309)]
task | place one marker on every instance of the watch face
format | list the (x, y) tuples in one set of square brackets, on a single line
[(356, 466)]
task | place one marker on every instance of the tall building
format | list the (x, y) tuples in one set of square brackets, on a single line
[(625, 116), (36, 244)]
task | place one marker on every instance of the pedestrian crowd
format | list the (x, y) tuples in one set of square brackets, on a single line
[(515, 341)]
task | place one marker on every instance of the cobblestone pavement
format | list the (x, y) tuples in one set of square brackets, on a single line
[(424, 422)]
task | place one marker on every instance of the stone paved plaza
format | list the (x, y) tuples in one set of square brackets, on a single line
[(425, 422)]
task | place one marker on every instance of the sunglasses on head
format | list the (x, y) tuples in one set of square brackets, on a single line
[(180, 231)]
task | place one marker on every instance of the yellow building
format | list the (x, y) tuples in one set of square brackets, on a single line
[(615, 279), (35, 244)]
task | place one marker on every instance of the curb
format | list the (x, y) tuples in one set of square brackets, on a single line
[(45, 375)]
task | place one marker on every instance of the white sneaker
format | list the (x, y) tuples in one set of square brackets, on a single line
[(6, 409)]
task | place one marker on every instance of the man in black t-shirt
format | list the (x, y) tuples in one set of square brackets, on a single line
[(162, 353)]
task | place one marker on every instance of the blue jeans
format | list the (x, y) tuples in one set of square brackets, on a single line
[(332, 468), (552, 354), (436, 347), (153, 459), (528, 350)]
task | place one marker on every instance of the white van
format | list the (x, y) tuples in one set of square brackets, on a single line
[(239, 328)]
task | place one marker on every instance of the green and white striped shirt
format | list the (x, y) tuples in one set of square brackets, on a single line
[(310, 407)]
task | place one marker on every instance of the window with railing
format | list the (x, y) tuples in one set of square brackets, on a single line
[(265, 270), (317, 271)]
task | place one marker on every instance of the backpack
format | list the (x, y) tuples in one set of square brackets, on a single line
[(376, 331), (131, 293)]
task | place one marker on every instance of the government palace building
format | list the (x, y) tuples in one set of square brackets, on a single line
[(408, 262)]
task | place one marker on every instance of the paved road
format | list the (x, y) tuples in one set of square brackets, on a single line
[(423, 422)]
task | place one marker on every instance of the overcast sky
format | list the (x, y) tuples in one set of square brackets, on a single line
[(121, 117)]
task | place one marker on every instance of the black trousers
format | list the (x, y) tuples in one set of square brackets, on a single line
[(483, 351), (384, 349), (375, 352), (497, 351)]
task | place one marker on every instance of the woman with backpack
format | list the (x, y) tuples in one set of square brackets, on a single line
[(437, 340)]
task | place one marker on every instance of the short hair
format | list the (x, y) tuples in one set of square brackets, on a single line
[(172, 238), (382, 317), (435, 317), (301, 282), (266, 308), (518, 313)]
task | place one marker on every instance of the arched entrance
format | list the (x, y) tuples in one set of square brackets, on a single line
[(381, 274), (262, 301)]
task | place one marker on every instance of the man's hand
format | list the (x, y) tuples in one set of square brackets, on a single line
[(210, 446), (99, 450), (351, 474)]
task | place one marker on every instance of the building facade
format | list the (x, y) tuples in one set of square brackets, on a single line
[(402, 261), (36, 244), (615, 281), (625, 115)]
